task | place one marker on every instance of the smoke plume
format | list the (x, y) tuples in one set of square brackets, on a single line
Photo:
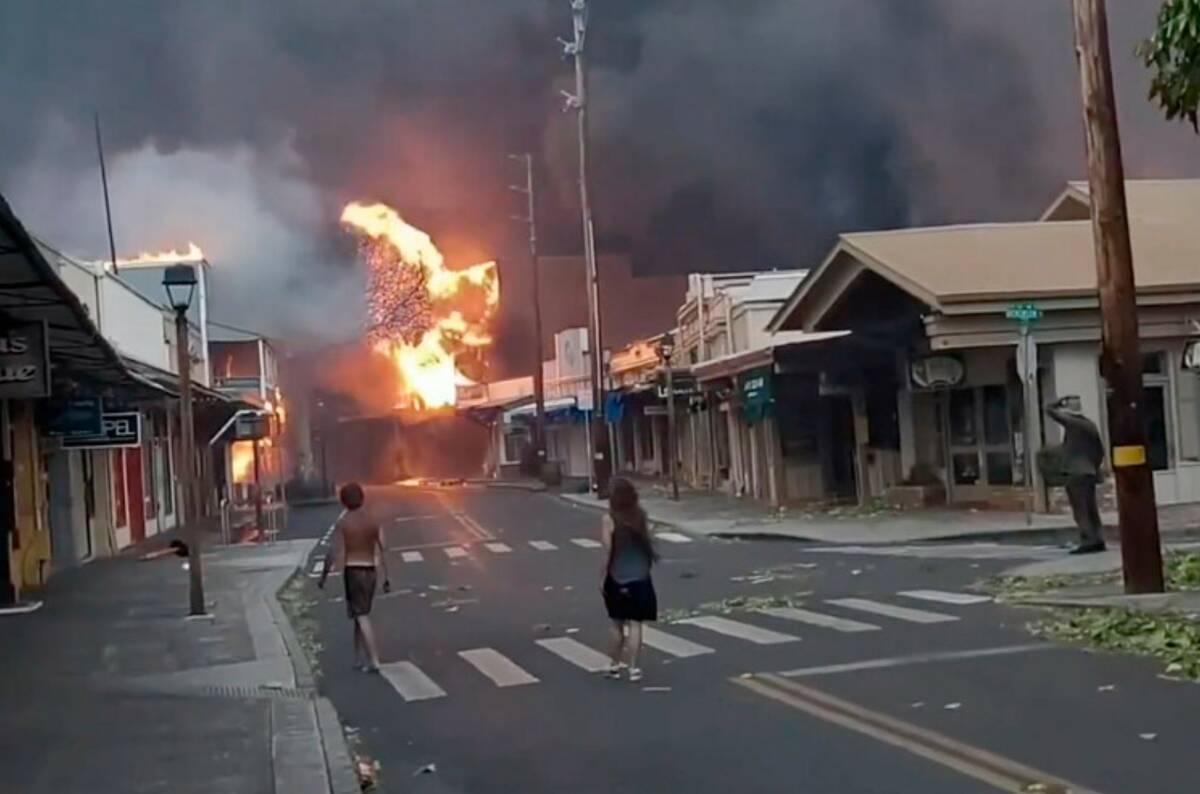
[(727, 135)]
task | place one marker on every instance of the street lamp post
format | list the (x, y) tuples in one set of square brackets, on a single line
[(666, 349), (180, 284)]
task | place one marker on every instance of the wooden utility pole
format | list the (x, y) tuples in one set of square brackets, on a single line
[(539, 378), (1121, 358)]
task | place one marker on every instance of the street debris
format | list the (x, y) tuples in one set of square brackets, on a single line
[(856, 572), (572, 630), (656, 689), (1107, 688), (688, 574), (547, 588), (920, 704), (542, 627), (452, 609), (1173, 639), (368, 773), (952, 706), (1149, 737), (428, 769), (464, 587)]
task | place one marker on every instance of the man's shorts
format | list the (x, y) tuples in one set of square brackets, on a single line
[(360, 589)]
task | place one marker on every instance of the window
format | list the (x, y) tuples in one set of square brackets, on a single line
[(1158, 452), (981, 437), (646, 436), (515, 442), (962, 417), (120, 511)]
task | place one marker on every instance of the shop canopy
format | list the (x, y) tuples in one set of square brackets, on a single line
[(32, 292), (761, 356), (559, 405)]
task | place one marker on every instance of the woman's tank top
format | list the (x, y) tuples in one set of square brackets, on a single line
[(629, 561)]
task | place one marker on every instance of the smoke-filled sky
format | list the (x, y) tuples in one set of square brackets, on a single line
[(727, 135)]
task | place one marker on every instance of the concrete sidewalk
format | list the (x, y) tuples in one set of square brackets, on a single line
[(717, 514), (110, 689)]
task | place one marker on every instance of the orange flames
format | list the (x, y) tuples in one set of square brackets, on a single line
[(192, 254), (242, 459), (424, 315)]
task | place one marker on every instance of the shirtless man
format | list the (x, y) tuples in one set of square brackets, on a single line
[(358, 547)]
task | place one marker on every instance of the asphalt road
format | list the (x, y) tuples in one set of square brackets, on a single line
[(895, 676)]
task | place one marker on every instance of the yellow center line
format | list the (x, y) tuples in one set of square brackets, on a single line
[(1002, 773)]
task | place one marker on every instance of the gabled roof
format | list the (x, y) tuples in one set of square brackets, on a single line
[(1163, 200), (947, 267)]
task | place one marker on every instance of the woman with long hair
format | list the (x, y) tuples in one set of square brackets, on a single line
[(628, 589)]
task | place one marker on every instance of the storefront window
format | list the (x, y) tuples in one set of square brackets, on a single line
[(1158, 453), (962, 417), (981, 458)]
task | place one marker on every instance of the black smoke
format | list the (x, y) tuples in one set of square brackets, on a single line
[(727, 135)]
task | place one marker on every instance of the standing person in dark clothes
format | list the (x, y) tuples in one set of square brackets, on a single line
[(628, 589), (358, 546), (1083, 454)]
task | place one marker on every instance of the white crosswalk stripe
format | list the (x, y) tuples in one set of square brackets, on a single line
[(576, 653), (946, 597), (498, 667), (412, 684), (739, 630), (891, 611), (455, 552), (543, 545), (673, 537), (586, 543), (819, 619), (412, 556), (498, 548), (672, 645)]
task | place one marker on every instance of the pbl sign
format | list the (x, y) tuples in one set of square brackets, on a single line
[(24, 362), (117, 429)]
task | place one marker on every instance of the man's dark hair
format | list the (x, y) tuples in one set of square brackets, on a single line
[(351, 496)]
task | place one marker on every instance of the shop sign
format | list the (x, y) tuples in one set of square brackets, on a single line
[(755, 390), (24, 362), (936, 372), (250, 427), (117, 429), (682, 385), (81, 417)]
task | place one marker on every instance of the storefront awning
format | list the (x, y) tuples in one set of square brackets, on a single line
[(761, 356), (552, 406), (32, 292)]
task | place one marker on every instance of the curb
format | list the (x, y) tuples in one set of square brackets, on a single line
[(338, 762), (501, 485), (339, 765)]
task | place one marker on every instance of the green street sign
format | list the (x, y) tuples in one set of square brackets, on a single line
[(1023, 312)]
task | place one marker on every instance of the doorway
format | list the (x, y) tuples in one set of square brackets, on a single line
[(838, 440)]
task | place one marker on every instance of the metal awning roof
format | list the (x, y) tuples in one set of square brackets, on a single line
[(31, 291), (167, 383)]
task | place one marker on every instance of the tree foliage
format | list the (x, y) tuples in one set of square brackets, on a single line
[(1173, 54)]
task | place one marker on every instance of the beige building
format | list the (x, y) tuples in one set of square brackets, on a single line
[(963, 408)]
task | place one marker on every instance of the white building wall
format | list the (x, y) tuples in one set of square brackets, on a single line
[(133, 325), (1076, 370)]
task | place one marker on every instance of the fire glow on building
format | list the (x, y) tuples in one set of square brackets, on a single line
[(423, 316)]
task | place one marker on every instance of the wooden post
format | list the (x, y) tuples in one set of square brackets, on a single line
[(1120, 360)]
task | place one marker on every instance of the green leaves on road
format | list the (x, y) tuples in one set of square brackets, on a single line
[(1172, 638)]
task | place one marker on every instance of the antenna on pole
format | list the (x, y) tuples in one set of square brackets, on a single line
[(112, 244)]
